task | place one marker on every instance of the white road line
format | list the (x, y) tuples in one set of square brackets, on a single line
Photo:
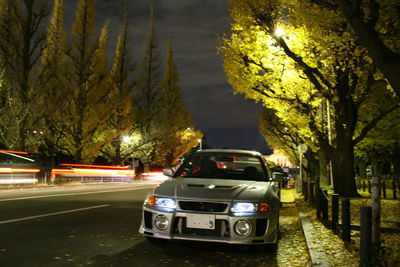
[(52, 214), (73, 194)]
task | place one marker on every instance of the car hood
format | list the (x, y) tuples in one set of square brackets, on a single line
[(212, 189)]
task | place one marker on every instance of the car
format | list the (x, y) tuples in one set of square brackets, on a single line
[(217, 195)]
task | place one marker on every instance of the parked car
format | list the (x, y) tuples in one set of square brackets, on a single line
[(219, 195)]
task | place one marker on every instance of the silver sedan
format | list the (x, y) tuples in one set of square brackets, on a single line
[(219, 195)]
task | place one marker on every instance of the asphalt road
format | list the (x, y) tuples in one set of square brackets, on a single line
[(98, 226)]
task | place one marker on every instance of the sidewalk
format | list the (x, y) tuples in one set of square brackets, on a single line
[(315, 248), (317, 257), (325, 248)]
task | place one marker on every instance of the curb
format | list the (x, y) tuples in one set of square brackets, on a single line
[(317, 256)]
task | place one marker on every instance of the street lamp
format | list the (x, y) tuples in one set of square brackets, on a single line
[(200, 144), (279, 32), (302, 148)]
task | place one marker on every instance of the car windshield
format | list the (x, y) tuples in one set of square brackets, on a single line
[(223, 166)]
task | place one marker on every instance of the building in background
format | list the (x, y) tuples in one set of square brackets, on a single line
[(279, 158)]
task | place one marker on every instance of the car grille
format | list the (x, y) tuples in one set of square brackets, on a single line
[(203, 206), (148, 217), (221, 228), (261, 227)]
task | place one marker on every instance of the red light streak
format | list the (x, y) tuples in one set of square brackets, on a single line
[(92, 171), (18, 170), (14, 152), (94, 166)]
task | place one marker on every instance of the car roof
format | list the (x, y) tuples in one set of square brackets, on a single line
[(229, 151)]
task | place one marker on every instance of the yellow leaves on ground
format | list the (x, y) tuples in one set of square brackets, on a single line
[(342, 254)]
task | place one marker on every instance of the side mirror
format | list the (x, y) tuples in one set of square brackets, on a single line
[(277, 177), (168, 172)]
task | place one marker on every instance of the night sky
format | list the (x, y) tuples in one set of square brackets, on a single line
[(227, 120)]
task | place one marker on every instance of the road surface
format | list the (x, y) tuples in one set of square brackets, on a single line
[(97, 225)]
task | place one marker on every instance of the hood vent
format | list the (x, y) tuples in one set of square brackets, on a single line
[(210, 186), (196, 185), (223, 187)]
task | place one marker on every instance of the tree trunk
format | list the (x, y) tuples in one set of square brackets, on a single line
[(362, 166), (384, 58), (343, 170), (323, 170)]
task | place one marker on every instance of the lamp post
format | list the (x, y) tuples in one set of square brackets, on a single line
[(302, 148)]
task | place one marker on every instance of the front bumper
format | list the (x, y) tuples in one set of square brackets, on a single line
[(264, 227)]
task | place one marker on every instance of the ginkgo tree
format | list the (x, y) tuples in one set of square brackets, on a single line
[(316, 60), (82, 117), (377, 25), (286, 137), (178, 133), (121, 85)]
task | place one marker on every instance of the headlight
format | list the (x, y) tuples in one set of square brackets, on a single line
[(242, 228), (244, 207), (166, 203), (161, 222)]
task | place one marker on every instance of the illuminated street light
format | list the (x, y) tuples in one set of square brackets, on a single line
[(279, 32)]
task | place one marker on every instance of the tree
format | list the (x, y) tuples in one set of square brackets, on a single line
[(380, 147), (21, 38), (277, 134), (301, 70), (85, 109), (377, 26), (287, 138), (146, 93), (52, 77), (178, 133), (121, 122)]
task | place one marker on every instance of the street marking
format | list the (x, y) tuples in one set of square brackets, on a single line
[(73, 194), (52, 214)]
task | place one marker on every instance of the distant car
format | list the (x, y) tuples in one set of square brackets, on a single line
[(226, 196)]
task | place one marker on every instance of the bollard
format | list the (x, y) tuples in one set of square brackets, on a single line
[(394, 189), (304, 191), (345, 219), (319, 202), (366, 236), (335, 211), (312, 197), (384, 189), (325, 205)]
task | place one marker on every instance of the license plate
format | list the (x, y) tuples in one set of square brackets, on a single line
[(200, 221)]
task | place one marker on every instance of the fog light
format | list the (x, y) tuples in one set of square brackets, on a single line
[(242, 228), (161, 222)]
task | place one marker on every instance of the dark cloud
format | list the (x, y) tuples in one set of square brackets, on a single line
[(228, 120)]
